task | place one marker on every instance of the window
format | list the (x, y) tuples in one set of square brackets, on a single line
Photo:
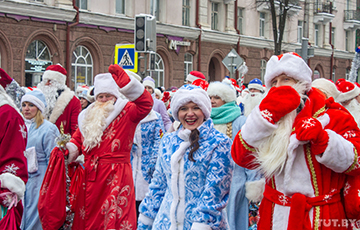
[(214, 16), (347, 4), (262, 69), (316, 38), (82, 4), (240, 20), (347, 40), (333, 75), (188, 64), (120, 6), (333, 36), (37, 58), (300, 31), (155, 10), (347, 74), (158, 73), (262, 25), (82, 67), (186, 13)]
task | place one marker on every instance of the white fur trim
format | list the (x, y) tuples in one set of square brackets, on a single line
[(133, 90), (118, 107), (145, 220), (177, 181), (326, 86), (149, 83), (131, 73), (61, 103), (73, 151), (291, 65), (256, 122), (254, 190), (150, 117), (222, 89), (105, 83), (256, 86), (200, 226), (191, 78), (348, 95), (5, 99), (34, 100), (54, 75), (338, 155)]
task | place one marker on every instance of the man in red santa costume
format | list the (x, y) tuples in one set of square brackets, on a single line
[(304, 144), (13, 165), (63, 107), (105, 137)]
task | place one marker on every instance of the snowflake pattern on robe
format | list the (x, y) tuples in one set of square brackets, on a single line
[(207, 181)]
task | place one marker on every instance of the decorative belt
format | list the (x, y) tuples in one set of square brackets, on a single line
[(300, 205)]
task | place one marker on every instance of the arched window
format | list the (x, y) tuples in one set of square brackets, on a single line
[(188, 64), (262, 69), (158, 73), (82, 67), (37, 58)]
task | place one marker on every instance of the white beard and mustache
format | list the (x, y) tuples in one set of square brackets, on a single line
[(250, 101), (354, 108), (94, 123), (272, 152), (51, 95)]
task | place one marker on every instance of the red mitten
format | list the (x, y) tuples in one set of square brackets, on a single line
[(119, 75), (310, 129), (279, 102), (166, 96)]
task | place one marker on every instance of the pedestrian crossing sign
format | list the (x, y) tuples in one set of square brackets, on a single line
[(126, 57)]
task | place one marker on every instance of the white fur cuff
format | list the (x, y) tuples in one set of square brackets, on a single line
[(200, 226), (254, 190), (145, 220), (133, 90), (73, 151), (256, 128)]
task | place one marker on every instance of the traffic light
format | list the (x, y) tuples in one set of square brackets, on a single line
[(145, 33)]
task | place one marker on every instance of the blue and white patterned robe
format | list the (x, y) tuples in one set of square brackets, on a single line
[(43, 139), (189, 195), (145, 151)]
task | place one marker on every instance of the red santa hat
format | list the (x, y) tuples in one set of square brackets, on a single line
[(348, 90), (105, 83), (193, 75), (5, 79), (290, 64), (225, 90), (56, 73), (202, 83), (327, 86)]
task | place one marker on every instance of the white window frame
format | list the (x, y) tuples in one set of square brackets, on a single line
[(300, 31), (262, 69), (159, 73), (89, 68), (316, 34), (240, 15), (123, 9), (347, 40), (262, 18), (82, 3), (188, 64), (333, 36), (186, 12), (215, 15)]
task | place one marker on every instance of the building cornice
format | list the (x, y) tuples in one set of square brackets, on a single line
[(37, 10)]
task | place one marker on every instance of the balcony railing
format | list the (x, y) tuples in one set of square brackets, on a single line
[(322, 7), (352, 15)]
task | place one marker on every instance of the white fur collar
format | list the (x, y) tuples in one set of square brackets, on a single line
[(150, 117), (6, 100), (119, 105), (61, 103)]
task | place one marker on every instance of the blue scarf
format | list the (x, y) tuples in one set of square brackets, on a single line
[(225, 113)]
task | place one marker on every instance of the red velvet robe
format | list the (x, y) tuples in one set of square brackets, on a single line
[(294, 210), (107, 198), (13, 138)]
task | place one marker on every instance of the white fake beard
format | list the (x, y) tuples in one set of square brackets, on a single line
[(94, 123), (250, 101), (354, 108), (272, 152), (51, 95)]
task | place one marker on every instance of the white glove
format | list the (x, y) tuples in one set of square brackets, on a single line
[(13, 183), (73, 152)]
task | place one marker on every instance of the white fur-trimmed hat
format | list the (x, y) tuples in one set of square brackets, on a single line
[(158, 92), (105, 83), (348, 90), (225, 90), (326, 86), (131, 73), (35, 97), (190, 93), (193, 75), (256, 84), (290, 64), (55, 72), (148, 81)]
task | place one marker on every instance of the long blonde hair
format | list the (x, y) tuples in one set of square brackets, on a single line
[(39, 118)]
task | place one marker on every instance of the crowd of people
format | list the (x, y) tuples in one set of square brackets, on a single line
[(207, 155)]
